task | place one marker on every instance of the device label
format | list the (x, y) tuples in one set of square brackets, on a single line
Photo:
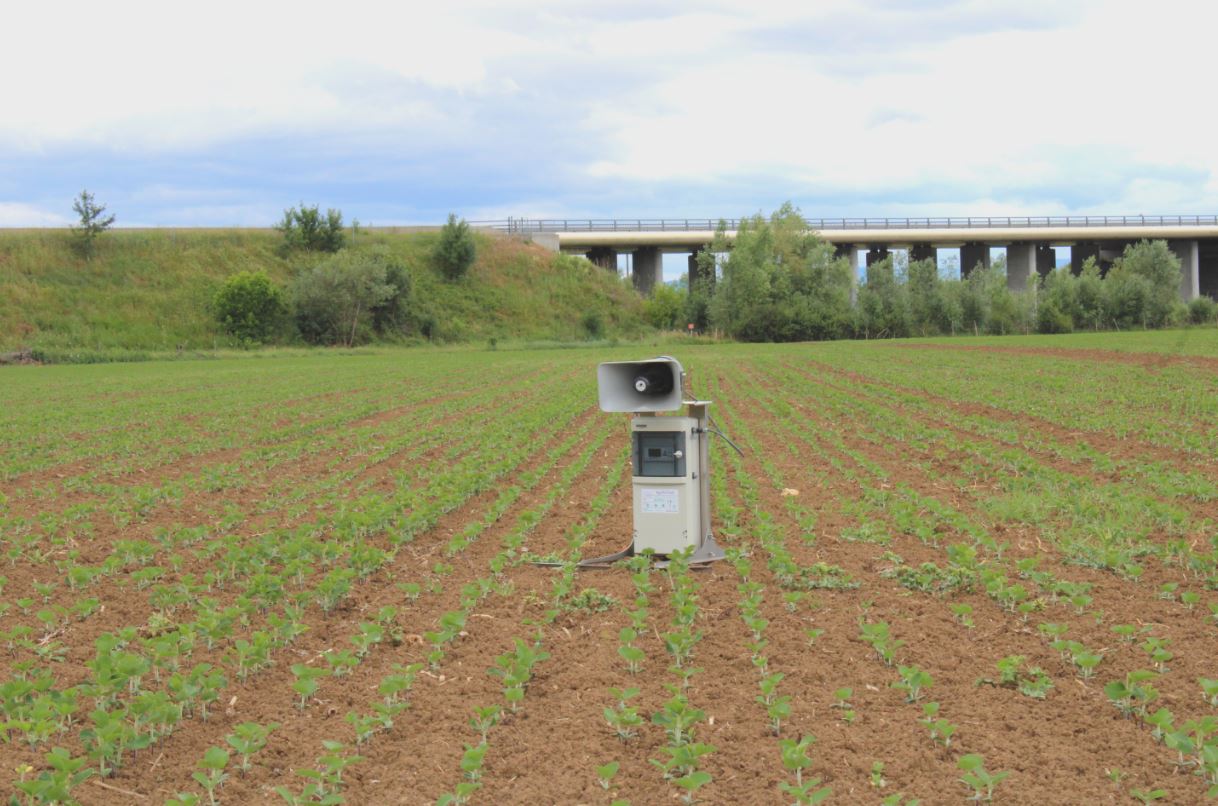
[(660, 500)]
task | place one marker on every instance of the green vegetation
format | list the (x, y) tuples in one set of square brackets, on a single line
[(456, 249), (93, 222), (782, 283), (153, 291), (342, 545), (249, 306), (305, 228)]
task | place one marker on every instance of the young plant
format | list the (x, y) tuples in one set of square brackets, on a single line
[(978, 778), (795, 759), (605, 773), (941, 731), (484, 719), (624, 719), (211, 772), (248, 738), (912, 681)]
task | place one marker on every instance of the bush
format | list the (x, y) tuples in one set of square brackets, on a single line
[(307, 230), (593, 324), (456, 250), (1202, 310), (664, 308), (347, 298), (249, 306)]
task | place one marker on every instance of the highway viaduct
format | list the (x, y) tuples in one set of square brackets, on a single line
[(1030, 242)]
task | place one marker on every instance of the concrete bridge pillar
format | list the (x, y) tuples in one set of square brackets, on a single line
[(1046, 258), (696, 274), (1189, 253), (973, 255), (1079, 253), (604, 257), (849, 251), (1021, 262), (924, 251), (1207, 268), (647, 268), (876, 253)]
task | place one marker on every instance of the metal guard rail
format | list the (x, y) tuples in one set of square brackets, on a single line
[(529, 225)]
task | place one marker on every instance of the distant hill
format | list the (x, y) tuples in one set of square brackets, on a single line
[(150, 289)]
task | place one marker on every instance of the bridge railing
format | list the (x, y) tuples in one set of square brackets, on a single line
[(540, 225)]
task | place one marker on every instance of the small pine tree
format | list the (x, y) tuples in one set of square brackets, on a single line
[(456, 249), (93, 222)]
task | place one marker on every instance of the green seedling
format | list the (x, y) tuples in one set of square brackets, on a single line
[(623, 718), (605, 773), (56, 784), (691, 783), (1159, 654), (877, 775), (813, 634), (795, 758), (941, 731), (248, 738), (306, 683), (1148, 795), (484, 719), (1134, 693), (1209, 690), (471, 760), (842, 697), (978, 778), (211, 772), (912, 681), (963, 613)]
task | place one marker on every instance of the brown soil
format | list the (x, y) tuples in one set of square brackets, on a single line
[(1067, 748)]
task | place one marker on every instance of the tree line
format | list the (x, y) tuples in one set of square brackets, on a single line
[(779, 282)]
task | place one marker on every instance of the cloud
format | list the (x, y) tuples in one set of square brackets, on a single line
[(401, 113), (17, 214)]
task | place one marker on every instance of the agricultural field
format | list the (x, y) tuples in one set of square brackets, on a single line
[(956, 570)]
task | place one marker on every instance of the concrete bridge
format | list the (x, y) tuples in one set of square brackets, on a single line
[(1031, 243)]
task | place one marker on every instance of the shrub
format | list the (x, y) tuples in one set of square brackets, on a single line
[(1202, 310), (249, 306), (352, 294), (456, 250), (306, 229), (664, 308), (593, 324)]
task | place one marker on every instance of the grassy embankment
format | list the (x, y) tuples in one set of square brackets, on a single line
[(149, 291)]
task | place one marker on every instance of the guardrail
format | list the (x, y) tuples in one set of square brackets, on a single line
[(525, 226)]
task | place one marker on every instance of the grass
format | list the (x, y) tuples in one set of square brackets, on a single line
[(146, 293)]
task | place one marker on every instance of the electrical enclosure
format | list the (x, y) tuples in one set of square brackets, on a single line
[(667, 485)]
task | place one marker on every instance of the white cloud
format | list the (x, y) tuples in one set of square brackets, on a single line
[(931, 106), (18, 214)]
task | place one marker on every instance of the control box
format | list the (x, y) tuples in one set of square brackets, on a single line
[(666, 453)]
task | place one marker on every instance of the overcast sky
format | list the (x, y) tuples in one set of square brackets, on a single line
[(225, 113)]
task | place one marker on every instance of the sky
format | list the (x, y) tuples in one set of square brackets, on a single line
[(226, 113)]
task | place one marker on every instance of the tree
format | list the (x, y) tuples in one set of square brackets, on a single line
[(1159, 269), (925, 289), (883, 302), (456, 249), (342, 299), (306, 229), (93, 222), (249, 306), (663, 309)]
